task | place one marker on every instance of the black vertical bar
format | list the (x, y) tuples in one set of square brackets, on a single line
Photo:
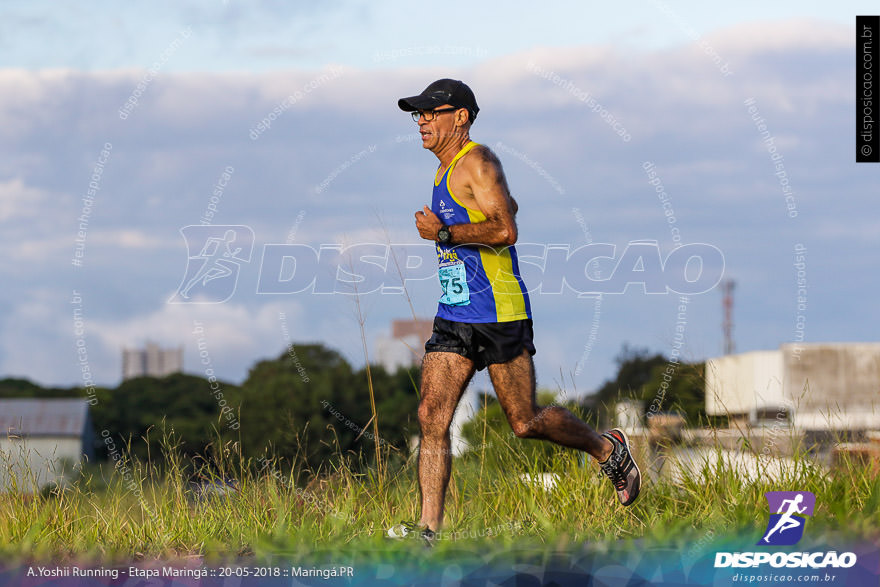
[(867, 89)]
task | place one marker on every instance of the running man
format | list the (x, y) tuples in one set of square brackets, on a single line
[(786, 521), (484, 319), (215, 255)]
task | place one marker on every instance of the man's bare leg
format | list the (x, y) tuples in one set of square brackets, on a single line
[(514, 384), (444, 379)]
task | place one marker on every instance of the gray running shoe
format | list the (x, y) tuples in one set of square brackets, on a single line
[(621, 468), (411, 530)]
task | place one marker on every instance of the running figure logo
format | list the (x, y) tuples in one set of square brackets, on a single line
[(786, 526), (212, 274)]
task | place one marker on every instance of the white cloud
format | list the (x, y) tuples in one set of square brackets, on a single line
[(19, 201), (780, 35), (233, 330), (682, 113), (128, 239), (24, 92)]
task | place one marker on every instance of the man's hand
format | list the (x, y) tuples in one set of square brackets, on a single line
[(428, 224)]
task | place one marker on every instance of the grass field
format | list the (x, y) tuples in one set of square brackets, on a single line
[(134, 511)]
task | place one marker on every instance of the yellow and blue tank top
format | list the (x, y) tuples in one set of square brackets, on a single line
[(480, 283)]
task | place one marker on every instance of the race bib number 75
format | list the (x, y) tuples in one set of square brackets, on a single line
[(453, 280)]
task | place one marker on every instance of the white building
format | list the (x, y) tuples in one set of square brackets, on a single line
[(42, 442), (817, 386), (406, 346), (151, 361)]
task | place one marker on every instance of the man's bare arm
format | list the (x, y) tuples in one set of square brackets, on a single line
[(482, 173), (483, 177)]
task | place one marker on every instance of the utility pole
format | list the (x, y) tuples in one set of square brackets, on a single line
[(727, 303)]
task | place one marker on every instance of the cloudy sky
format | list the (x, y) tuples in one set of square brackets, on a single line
[(651, 127)]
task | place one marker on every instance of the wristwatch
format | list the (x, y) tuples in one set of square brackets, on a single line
[(443, 235)]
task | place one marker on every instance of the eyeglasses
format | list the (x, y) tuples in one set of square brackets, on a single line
[(430, 114)]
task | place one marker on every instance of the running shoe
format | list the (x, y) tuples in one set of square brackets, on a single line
[(412, 530), (621, 468)]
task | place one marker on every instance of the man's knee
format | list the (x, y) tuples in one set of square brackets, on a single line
[(431, 419), (525, 428)]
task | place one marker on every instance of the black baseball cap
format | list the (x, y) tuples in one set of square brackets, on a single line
[(443, 91)]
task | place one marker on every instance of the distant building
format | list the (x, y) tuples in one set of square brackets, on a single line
[(42, 441), (628, 415), (406, 346), (816, 386), (420, 328), (151, 361)]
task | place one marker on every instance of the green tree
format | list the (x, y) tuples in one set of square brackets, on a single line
[(12, 387), (676, 387), (397, 403), (143, 409), (308, 406), (661, 385), (635, 368)]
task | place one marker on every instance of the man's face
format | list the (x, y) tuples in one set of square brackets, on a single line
[(441, 129)]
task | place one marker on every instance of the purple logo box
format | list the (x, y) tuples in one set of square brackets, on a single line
[(775, 499)]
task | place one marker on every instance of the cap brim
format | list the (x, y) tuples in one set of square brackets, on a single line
[(421, 102)]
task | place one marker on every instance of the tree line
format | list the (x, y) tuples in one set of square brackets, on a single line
[(303, 411), (309, 409)]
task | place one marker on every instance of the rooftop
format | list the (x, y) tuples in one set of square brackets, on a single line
[(43, 417)]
